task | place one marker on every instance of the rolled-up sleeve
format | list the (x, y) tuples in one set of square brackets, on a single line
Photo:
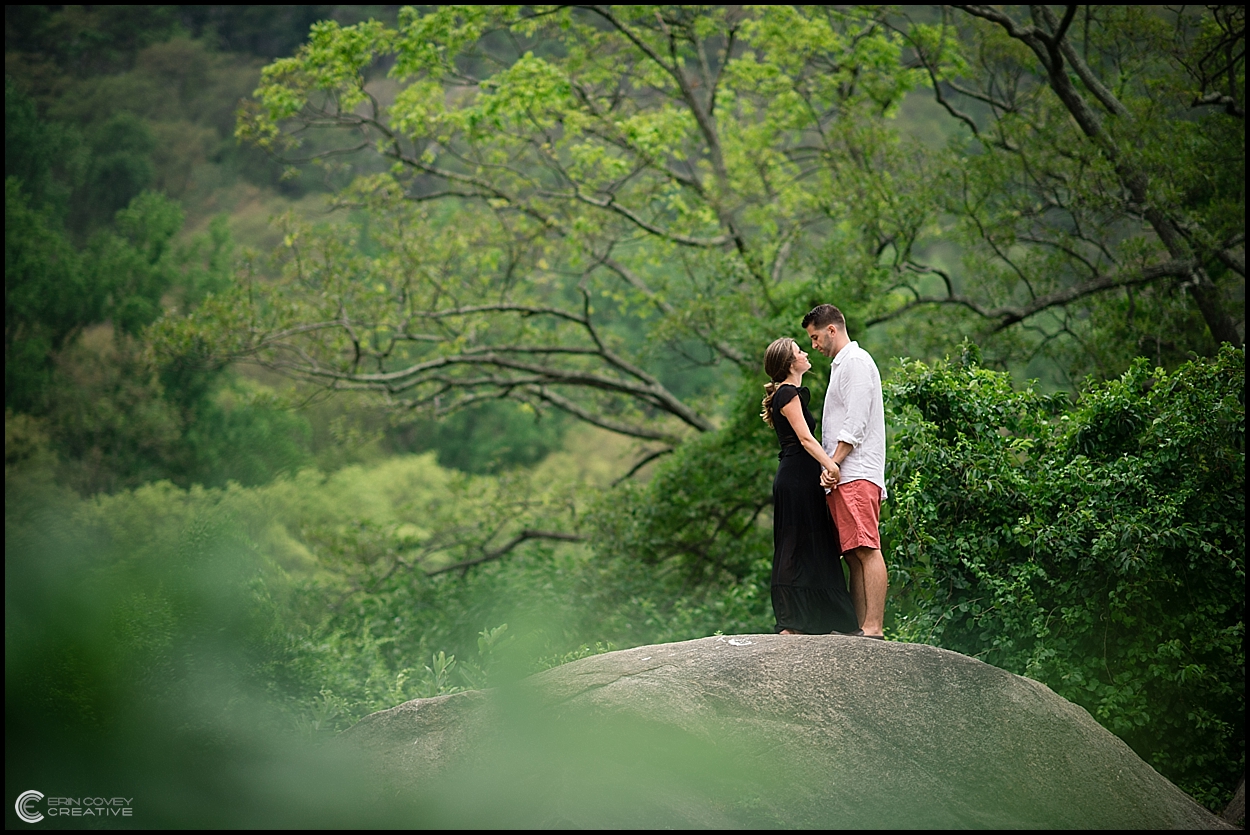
[(856, 387)]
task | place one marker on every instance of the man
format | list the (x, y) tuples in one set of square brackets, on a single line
[(853, 434)]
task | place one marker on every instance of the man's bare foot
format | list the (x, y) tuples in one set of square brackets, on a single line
[(791, 632)]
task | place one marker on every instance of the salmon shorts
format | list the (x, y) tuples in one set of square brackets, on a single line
[(856, 509)]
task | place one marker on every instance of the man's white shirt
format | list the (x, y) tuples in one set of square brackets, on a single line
[(854, 412)]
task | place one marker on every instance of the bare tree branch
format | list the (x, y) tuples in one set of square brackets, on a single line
[(611, 205), (642, 462), (1220, 99), (503, 550), (1008, 315), (1231, 259)]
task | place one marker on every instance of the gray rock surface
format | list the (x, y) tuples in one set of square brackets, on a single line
[(767, 730)]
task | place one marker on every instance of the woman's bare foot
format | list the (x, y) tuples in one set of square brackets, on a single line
[(791, 632)]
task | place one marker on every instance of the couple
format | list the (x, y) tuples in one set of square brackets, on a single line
[(826, 499)]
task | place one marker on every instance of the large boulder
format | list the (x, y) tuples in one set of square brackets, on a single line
[(767, 730)]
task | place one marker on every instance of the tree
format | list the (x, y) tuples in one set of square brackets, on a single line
[(52, 289), (37, 257), (575, 192), (1099, 193)]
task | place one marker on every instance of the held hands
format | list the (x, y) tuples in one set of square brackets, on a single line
[(829, 478)]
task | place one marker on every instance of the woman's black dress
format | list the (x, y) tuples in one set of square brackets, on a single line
[(809, 591)]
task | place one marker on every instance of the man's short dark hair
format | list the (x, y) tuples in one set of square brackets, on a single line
[(824, 315)]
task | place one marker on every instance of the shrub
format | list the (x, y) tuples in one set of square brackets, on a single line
[(1098, 547)]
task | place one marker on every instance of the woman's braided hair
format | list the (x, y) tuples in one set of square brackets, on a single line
[(777, 361)]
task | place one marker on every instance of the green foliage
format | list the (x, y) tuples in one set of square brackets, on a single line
[(113, 423), (699, 515), (46, 157), (140, 634), (115, 414), (341, 603), (121, 165), (1098, 278), (771, 159), (550, 229), (153, 648), (489, 437), (46, 297), (97, 40), (53, 288), (122, 99), (88, 39), (1098, 548)]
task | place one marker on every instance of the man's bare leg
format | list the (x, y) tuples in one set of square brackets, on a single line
[(856, 570), (876, 580)]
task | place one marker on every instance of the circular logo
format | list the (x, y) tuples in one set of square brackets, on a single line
[(23, 802)]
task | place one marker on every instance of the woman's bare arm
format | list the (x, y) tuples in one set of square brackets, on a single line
[(793, 412)]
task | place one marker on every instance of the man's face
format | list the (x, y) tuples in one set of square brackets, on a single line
[(822, 339)]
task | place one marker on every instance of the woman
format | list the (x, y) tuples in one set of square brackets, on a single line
[(809, 591)]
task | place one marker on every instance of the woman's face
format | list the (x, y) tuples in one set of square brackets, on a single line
[(801, 363)]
